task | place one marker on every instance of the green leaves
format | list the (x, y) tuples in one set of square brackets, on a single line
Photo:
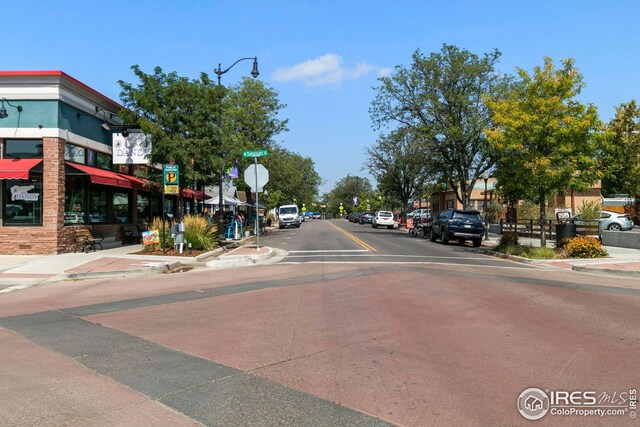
[(440, 97), (545, 140)]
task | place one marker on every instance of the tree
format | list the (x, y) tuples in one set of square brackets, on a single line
[(397, 162), (344, 191), (181, 116), (291, 176), (545, 138), (622, 152), (441, 97)]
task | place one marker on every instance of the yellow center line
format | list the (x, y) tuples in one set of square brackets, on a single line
[(354, 238)]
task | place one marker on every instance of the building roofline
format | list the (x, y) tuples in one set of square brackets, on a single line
[(63, 75)]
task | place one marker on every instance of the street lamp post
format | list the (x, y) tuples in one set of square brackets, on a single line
[(219, 71), (485, 176)]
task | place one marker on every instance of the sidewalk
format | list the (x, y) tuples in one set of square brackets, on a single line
[(621, 261), (22, 271)]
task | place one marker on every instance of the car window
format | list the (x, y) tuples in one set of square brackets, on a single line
[(466, 215), (604, 215), (385, 214)]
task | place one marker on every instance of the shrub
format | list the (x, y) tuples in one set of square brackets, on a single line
[(509, 238), (560, 244), (584, 247), (534, 252), (199, 232), (590, 209)]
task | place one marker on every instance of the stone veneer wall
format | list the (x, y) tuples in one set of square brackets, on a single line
[(51, 237)]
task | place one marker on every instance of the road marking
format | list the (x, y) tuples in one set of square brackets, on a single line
[(389, 255), (329, 250), (526, 267), (369, 248)]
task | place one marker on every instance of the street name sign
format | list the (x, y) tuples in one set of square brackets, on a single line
[(255, 153)]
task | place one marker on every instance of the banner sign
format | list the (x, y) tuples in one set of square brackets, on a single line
[(134, 149), (150, 237)]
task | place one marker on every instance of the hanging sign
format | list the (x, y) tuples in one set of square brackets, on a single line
[(133, 149)]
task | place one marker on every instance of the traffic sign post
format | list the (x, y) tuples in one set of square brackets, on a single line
[(257, 175)]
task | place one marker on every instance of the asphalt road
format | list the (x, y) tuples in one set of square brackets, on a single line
[(343, 241), (323, 342)]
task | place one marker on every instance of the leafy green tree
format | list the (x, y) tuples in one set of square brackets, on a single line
[(182, 116), (622, 152), (291, 177), (441, 97), (544, 137), (397, 162), (346, 189)]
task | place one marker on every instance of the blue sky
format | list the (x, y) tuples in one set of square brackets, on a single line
[(322, 56)]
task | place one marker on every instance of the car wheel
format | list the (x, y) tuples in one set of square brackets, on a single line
[(373, 226), (477, 243), (412, 232), (390, 227), (461, 241), (443, 238), (432, 236), (281, 227), (614, 227)]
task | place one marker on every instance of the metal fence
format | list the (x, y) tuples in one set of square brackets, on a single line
[(532, 228)]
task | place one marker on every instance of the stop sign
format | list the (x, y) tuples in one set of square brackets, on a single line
[(250, 174)]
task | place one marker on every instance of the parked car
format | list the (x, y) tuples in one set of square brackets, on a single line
[(355, 217), (383, 219), (308, 215), (458, 224), (612, 221), (422, 214), (317, 215), (366, 218)]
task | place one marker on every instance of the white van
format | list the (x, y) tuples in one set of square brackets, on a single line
[(288, 215)]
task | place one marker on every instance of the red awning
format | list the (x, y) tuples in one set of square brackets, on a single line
[(104, 177), (17, 168), (194, 194)]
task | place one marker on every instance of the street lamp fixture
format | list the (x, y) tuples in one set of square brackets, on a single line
[(219, 72), (485, 176), (3, 111)]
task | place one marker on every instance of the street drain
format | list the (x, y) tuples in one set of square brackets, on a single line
[(178, 270)]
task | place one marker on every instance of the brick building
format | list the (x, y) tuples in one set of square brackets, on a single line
[(56, 167)]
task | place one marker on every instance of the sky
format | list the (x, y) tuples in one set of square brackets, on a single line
[(323, 57)]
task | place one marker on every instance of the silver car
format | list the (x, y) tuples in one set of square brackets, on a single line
[(612, 221)]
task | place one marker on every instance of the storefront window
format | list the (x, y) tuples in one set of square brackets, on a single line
[(121, 207), (98, 206), (144, 208), (22, 201), (91, 157), (75, 202), (23, 149), (73, 153), (103, 161)]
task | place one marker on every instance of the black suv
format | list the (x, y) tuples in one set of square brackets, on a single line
[(458, 224)]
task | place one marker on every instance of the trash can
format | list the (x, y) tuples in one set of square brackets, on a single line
[(565, 231)]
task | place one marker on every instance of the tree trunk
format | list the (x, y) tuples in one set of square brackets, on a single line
[(543, 220)]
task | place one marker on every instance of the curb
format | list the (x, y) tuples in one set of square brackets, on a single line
[(626, 273), (229, 260), (578, 268), (110, 274), (216, 250)]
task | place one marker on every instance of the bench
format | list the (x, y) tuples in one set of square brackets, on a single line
[(87, 241), (130, 234)]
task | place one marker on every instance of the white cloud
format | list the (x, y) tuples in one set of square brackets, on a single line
[(324, 70)]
